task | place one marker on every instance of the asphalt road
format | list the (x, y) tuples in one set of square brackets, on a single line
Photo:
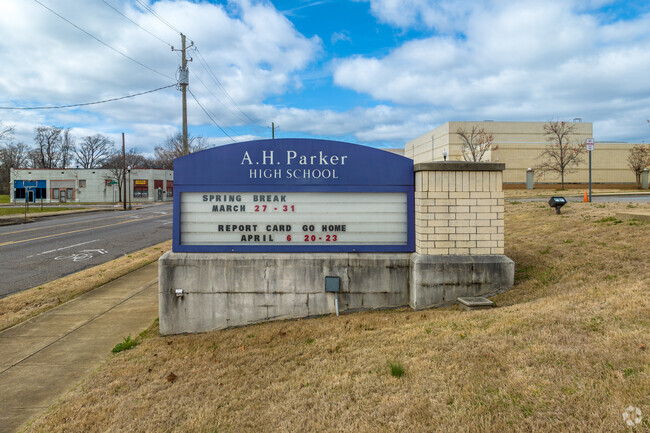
[(50, 248)]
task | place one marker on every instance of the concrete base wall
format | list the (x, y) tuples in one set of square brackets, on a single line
[(440, 280), (224, 290)]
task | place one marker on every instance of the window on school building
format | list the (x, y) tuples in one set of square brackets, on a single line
[(82, 183), (170, 188), (141, 188)]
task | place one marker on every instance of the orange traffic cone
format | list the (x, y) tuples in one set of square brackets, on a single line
[(586, 197)]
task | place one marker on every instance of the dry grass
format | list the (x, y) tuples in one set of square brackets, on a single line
[(566, 351), (28, 303)]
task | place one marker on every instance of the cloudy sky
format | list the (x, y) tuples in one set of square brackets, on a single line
[(376, 72)]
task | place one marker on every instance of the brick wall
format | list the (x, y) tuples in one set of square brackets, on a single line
[(459, 208)]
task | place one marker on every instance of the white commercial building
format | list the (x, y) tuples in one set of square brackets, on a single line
[(92, 185)]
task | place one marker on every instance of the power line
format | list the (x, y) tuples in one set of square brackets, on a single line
[(142, 28), (158, 16), (234, 115), (88, 103), (211, 118), (102, 42), (204, 63), (214, 77)]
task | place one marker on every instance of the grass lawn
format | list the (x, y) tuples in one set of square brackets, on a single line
[(4, 198), (565, 351)]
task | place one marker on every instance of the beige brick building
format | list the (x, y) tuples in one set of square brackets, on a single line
[(519, 146)]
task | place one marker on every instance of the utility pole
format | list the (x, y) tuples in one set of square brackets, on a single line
[(184, 81), (273, 130), (124, 170)]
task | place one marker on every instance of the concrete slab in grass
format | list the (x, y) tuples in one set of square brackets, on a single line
[(475, 303)]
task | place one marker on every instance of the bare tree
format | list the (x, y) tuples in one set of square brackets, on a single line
[(12, 155), (116, 165), (173, 148), (48, 147), (94, 151), (476, 142), (562, 153), (6, 132), (68, 148), (638, 159)]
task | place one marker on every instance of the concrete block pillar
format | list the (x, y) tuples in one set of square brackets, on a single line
[(530, 179), (644, 179), (459, 233), (459, 208)]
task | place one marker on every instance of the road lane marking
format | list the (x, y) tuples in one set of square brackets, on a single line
[(76, 231), (81, 255), (62, 248)]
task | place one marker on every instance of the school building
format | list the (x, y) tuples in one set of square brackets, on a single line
[(519, 146)]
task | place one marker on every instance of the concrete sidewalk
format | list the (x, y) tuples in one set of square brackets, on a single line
[(44, 357)]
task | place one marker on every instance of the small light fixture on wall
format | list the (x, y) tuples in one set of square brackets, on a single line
[(444, 154)]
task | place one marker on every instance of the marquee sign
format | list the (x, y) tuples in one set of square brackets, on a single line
[(293, 195)]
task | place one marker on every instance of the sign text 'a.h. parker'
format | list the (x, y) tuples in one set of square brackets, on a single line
[(293, 195)]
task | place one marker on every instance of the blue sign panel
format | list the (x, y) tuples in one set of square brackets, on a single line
[(293, 195)]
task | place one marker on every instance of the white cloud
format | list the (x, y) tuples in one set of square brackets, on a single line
[(342, 36), (254, 50), (526, 60), (498, 59), (443, 15)]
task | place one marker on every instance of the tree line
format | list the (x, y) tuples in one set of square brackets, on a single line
[(58, 148)]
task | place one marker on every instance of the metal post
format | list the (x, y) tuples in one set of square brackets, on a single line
[(124, 170), (589, 177), (129, 186)]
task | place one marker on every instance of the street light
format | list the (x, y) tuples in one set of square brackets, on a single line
[(128, 169)]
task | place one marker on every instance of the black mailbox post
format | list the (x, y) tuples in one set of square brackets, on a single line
[(557, 203)]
